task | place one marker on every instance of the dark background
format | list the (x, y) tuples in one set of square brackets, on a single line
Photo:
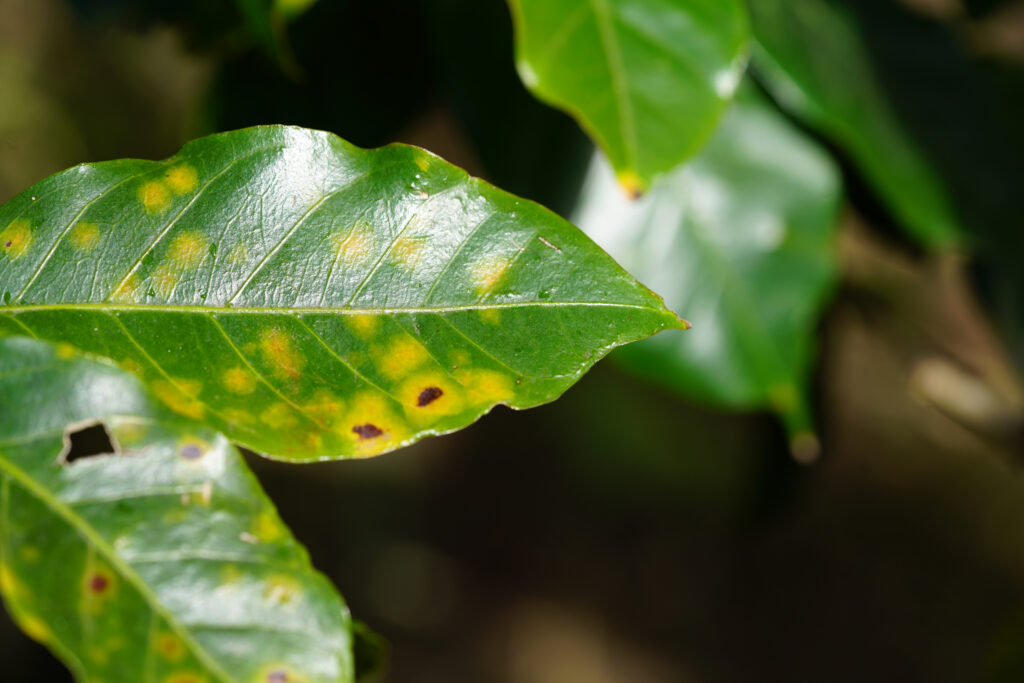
[(621, 534)]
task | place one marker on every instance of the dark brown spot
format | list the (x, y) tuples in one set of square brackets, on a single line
[(7, 243), (191, 452), (428, 396), (99, 583), (367, 431)]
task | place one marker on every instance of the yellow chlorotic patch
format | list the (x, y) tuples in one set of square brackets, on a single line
[(355, 246), (279, 416), (34, 627), (239, 380), (372, 425), (182, 179), (99, 585), (485, 386), (422, 161), (325, 407), (188, 249), (363, 324), (131, 365), (267, 527), (282, 589), (400, 357), (165, 278), (486, 272), (430, 395), (85, 236), (155, 196), (278, 352), (180, 396), (238, 255), (460, 357), (29, 553), (16, 238), (66, 351), (491, 316), (186, 677), (406, 252), (129, 433), (169, 647), (129, 291), (238, 416), (230, 574)]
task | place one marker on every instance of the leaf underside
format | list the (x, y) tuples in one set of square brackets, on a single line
[(648, 79), (743, 239), (162, 563), (311, 299)]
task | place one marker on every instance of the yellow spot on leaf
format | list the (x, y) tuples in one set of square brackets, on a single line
[(279, 416), (372, 425), (182, 179), (238, 416), (99, 585), (66, 351), (169, 647), (9, 585), (364, 325), (132, 366), (325, 408), (165, 278), (491, 316), (422, 161), (155, 196), (485, 386), (188, 249), (239, 380), (632, 184), (355, 246), (278, 352), (406, 252), (30, 553), (16, 238), (487, 272), (460, 357), (129, 291), (85, 236), (430, 395), (238, 255), (400, 357), (186, 677), (282, 589), (180, 396)]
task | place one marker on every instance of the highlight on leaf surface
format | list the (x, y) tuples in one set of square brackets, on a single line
[(171, 562), (310, 299), (742, 238), (647, 79)]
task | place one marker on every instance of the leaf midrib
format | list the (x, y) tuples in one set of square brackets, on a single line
[(90, 535)]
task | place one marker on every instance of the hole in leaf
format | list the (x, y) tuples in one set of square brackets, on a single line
[(87, 442)]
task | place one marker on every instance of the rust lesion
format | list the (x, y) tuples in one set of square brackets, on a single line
[(367, 431), (428, 396)]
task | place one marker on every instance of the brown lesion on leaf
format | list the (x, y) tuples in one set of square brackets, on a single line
[(428, 396), (367, 431), (98, 584)]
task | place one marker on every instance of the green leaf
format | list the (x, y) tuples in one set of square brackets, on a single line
[(811, 57), (163, 562), (742, 240), (311, 299), (647, 79)]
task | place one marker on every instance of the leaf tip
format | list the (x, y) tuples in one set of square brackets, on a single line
[(632, 184)]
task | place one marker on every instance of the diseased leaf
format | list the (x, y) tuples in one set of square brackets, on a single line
[(647, 79), (161, 563), (311, 299), (742, 239), (809, 55)]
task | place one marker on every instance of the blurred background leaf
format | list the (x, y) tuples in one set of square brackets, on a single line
[(742, 241)]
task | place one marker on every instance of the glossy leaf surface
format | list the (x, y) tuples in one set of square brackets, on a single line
[(810, 56), (311, 299), (742, 239), (647, 79), (162, 563)]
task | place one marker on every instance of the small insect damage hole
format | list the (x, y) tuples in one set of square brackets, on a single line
[(367, 431), (428, 396), (86, 441)]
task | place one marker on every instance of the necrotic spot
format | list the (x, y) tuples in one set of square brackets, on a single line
[(99, 583), (367, 431), (191, 452), (428, 396)]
